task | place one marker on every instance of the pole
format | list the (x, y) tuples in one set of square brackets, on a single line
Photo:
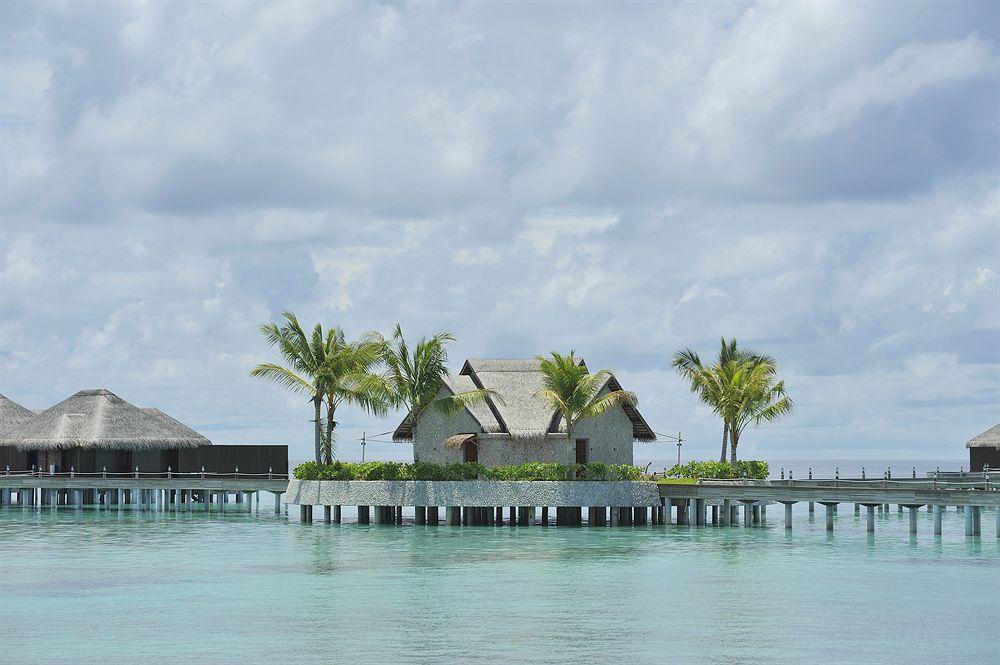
[(363, 447)]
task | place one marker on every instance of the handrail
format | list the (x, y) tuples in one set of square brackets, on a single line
[(150, 476), (873, 483)]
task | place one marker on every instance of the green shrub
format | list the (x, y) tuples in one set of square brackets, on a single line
[(754, 469), (467, 471)]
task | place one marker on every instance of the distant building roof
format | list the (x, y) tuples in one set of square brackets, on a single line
[(517, 411), (101, 419), (12, 415), (988, 439)]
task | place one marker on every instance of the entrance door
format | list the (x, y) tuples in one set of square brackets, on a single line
[(581, 451), (52, 461), (470, 452)]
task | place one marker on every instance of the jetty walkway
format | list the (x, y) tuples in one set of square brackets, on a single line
[(140, 491)]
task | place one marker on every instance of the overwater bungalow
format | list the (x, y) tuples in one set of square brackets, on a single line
[(514, 426), (95, 431), (984, 449)]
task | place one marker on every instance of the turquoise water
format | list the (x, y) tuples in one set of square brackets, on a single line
[(252, 588)]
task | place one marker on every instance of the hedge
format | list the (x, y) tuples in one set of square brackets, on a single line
[(755, 469), (468, 471)]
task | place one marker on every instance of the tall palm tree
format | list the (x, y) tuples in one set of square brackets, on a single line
[(303, 369), (739, 387), (347, 375), (756, 397), (415, 377), (709, 382), (574, 393)]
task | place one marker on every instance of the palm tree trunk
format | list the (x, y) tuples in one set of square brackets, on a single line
[(725, 439), (328, 443), (734, 440), (318, 404)]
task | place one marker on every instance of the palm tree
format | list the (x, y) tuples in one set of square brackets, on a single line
[(303, 369), (347, 376), (574, 393), (741, 387), (414, 378), (709, 382), (756, 396)]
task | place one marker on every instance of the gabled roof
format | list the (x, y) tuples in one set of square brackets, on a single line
[(12, 415), (516, 410), (101, 419), (988, 439)]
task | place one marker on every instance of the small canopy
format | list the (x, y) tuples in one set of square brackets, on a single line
[(12, 415), (459, 440), (101, 419), (988, 439)]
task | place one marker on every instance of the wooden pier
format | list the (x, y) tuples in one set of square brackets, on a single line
[(195, 491)]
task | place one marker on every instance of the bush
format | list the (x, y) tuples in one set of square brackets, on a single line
[(468, 471), (754, 469)]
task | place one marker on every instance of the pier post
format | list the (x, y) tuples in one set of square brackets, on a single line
[(857, 509), (913, 519), (763, 512), (829, 516), (871, 517), (453, 515), (277, 503), (327, 514), (997, 511), (968, 522), (788, 515), (977, 525), (755, 513), (726, 512), (364, 515), (937, 520), (420, 515), (545, 516), (812, 507), (432, 515)]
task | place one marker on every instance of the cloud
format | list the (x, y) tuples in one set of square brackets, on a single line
[(817, 179)]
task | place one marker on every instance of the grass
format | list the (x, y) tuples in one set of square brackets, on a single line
[(677, 481)]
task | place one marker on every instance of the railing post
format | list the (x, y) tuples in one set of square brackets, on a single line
[(862, 473), (8, 469), (237, 472), (269, 472), (170, 472), (889, 472), (914, 473), (72, 472), (136, 470), (104, 471), (782, 473), (810, 473), (203, 472)]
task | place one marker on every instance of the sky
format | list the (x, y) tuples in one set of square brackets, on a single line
[(818, 180)]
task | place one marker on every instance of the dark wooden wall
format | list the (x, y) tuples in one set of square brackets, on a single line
[(979, 457)]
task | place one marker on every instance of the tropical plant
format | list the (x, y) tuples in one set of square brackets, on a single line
[(741, 387), (415, 377), (348, 376), (303, 369), (329, 369), (531, 471), (574, 393)]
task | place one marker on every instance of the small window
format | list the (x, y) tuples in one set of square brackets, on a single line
[(581, 451)]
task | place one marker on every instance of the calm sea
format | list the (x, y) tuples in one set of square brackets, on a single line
[(93, 587)]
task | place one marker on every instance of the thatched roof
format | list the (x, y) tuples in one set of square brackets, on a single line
[(988, 439), (101, 419), (517, 411), (458, 440), (12, 415)]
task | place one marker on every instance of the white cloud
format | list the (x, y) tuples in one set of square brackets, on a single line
[(546, 227)]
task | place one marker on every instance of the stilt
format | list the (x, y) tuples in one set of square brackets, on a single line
[(937, 520), (829, 517), (432, 515), (420, 515), (545, 515), (871, 517), (788, 516), (913, 519), (699, 511), (726, 511), (857, 509), (364, 514), (756, 513), (327, 514), (812, 507), (969, 524), (997, 511), (977, 524)]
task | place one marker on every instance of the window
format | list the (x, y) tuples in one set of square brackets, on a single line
[(581, 451)]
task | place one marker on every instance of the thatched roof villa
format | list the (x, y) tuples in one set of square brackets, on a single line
[(984, 449), (93, 429), (519, 427), (12, 415)]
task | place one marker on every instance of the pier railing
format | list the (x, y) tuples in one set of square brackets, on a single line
[(158, 475)]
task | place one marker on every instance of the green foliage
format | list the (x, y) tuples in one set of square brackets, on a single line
[(468, 471), (754, 469)]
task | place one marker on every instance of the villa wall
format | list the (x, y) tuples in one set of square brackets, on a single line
[(477, 493), (609, 440)]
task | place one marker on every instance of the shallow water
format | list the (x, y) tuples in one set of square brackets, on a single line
[(160, 588)]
